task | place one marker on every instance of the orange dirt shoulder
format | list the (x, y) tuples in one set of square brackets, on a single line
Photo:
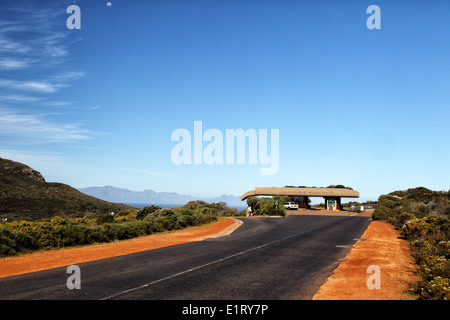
[(384, 248), (44, 260)]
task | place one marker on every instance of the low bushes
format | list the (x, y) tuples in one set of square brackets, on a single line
[(12, 242), (173, 219), (215, 209), (25, 236), (422, 216), (429, 238), (266, 206)]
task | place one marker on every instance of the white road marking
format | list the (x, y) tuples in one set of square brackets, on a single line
[(214, 262)]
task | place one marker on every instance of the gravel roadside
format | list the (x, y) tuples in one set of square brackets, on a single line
[(379, 267), (44, 260)]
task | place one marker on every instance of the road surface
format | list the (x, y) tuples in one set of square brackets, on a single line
[(266, 258)]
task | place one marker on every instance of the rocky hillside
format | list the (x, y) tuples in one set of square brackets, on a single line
[(25, 195)]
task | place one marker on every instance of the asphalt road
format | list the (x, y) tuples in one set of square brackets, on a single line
[(265, 258)]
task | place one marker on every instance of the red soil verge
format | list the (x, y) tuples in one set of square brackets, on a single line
[(44, 260), (383, 248)]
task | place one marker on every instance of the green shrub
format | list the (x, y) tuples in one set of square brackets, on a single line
[(12, 242), (167, 222), (177, 218), (422, 217), (432, 227), (123, 213), (436, 289), (6, 250), (95, 234), (22, 236), (399, 220), (124, 218), (381, 213), (142, 213), (215, 209), (442, 248), (104, 218), (268, 208)]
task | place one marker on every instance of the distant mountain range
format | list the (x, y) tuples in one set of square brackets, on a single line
[(120, 195)]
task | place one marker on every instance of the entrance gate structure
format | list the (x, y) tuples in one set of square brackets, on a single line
[(332, 196)]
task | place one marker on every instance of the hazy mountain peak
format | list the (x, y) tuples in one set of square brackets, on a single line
[(121, 195)]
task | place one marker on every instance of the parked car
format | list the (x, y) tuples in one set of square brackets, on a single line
[(291, 205)]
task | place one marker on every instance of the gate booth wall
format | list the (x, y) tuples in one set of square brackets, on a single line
[(332, 203)]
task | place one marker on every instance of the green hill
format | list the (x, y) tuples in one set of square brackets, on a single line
[(25, 195)]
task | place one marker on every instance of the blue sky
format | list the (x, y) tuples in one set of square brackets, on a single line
[(97, 106)]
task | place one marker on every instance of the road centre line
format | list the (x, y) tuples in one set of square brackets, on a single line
[(218, 260)]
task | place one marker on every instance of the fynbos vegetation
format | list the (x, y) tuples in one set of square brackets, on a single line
[(423, 217), (58, 232), (268, 206)]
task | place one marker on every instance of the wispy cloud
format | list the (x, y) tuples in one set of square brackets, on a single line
[(28, 29), (34, 50), (41, 101), (19, 98), (8, 45), (56, 103), (14, 63), (32, 128), (48, 86), (68, 76), (40, 86), (29, 38)]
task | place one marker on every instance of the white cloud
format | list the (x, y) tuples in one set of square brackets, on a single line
[(12, 63), (56, 103), (40, 86), (12, 46), (31, 36), (68, 76), (32, 43), (32, 128), (20, 98), (26, 29), (46, 86)]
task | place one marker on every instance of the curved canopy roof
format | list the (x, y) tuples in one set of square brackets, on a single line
[(309, 192)]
